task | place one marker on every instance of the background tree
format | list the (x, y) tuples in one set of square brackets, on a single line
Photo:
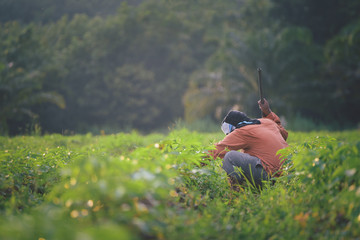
[(21, 78), (147, 63)]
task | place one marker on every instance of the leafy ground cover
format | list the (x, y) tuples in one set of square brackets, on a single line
[(130, 186)]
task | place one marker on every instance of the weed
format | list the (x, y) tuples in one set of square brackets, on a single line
[(156, 186)]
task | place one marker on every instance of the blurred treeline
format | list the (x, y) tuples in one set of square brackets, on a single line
[(72, 65)]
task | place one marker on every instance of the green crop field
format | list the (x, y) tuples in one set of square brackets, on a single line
[(131, 186)]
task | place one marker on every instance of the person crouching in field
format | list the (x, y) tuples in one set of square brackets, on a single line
[(258, 139)]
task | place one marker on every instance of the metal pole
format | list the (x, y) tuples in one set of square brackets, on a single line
[(260, 85)]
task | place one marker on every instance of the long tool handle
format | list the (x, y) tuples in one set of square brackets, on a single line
[(260, 85)]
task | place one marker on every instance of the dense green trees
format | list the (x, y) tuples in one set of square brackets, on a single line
[(143, 65), (44, 11), (298, 45), (22, 78)]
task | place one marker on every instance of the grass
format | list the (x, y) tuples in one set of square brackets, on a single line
[(133, 186)]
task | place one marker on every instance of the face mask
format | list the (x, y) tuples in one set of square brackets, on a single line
[(227, 128)]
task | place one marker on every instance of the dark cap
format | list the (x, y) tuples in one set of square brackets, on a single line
[(234, 117)]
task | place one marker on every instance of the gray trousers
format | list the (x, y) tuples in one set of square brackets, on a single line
[(250, 166)]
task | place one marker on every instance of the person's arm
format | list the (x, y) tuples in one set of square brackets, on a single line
[(233, 141), (267, 113)]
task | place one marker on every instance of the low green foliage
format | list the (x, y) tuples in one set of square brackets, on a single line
[(129, 186)]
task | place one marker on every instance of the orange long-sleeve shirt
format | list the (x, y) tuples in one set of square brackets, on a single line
[(259, 140)]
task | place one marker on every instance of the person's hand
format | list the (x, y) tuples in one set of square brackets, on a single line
[(265, 108)]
